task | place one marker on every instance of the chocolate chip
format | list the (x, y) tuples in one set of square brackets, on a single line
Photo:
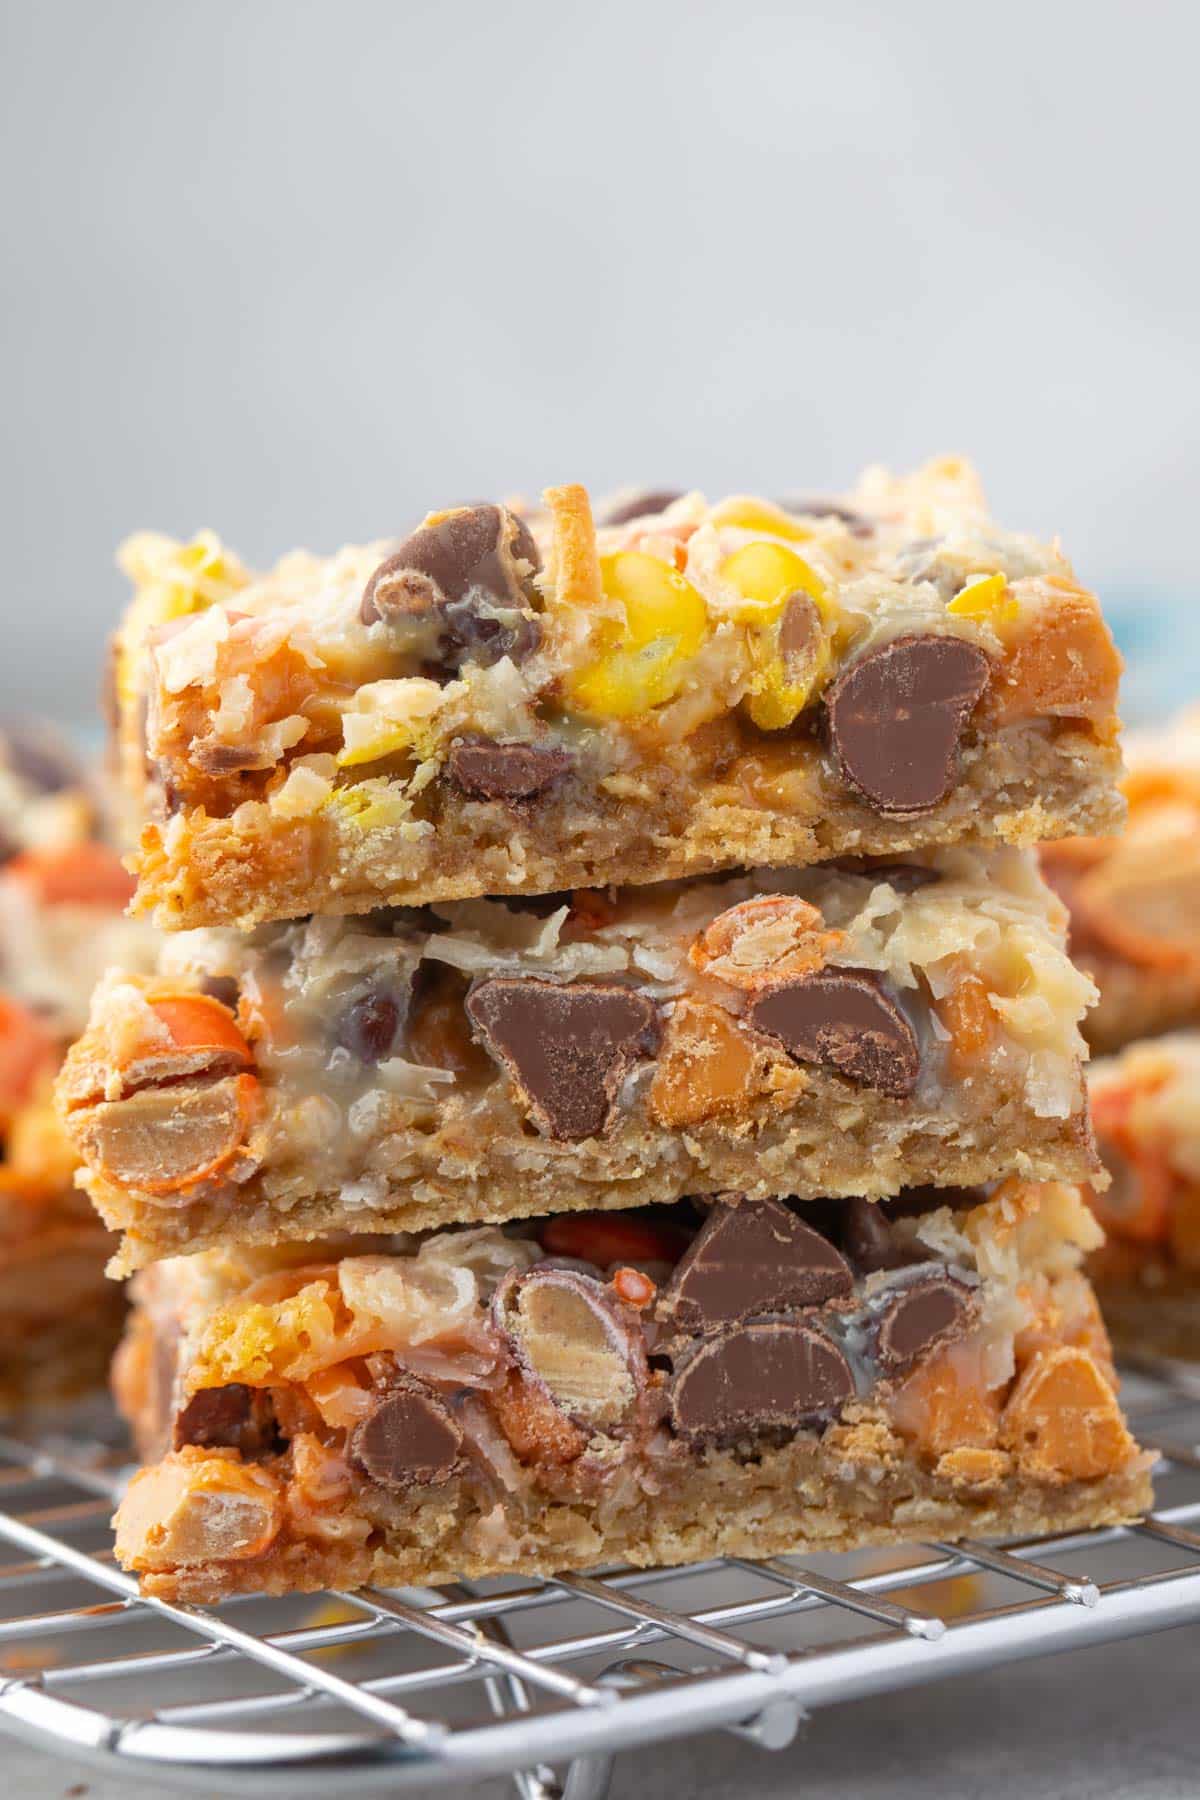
[(512, 772), (223, 988), (772, 1375), (233, 1417), (897, 715), (809, 508), (868, 1240), (453, 591), (567, 1048), (752, 1257), (409, 1440), (922, 1318), (843, 1017), (371, 1025), (642, 505)]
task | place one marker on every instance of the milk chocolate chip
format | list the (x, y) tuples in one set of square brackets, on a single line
[(843, 1017), (514, 772), (772, 1375), (897, 715), (922, 1318), (409, 1440), (567, 1048), (752, 1257), (460, 589)]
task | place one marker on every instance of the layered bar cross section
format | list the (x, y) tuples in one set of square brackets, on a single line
[(657, 1387), (516, 700), (844, 1030)]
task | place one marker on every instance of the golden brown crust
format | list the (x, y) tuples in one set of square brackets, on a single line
[(1021, 787), (858, 1485), (846, 1142)]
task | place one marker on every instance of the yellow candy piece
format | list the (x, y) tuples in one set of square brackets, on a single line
[(386, 741), (987, 598), (643, 665), (768, 576), (759, 515)]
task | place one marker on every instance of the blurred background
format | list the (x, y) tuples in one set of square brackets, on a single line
[(300, 272)]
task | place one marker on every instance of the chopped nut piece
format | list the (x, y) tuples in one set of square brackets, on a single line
[(763, 940)]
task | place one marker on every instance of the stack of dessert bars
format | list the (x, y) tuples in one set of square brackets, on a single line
[(612, 1087)]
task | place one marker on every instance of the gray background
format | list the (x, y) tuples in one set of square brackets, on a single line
[(300, 271)]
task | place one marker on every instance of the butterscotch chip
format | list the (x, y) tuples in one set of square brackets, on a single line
[(1063, 1421)]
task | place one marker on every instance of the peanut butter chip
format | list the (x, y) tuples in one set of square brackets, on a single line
[(409, 1440), (752, 1257), (897, 715), (775, 1375), (844, 1018), (568, 1048)]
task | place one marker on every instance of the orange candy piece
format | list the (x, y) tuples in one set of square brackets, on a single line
[(607, 1238), (27, 1054), (85, 874), (200, 1022)]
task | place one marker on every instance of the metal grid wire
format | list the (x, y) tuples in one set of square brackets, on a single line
[(409, 1689)]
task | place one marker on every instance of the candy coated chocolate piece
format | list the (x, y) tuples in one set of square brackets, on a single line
[(568, 1048), (644, 504), (233, 1417), (922, 1318), (843, 1017), (752, 1257), (776, 1374), (569, 1333), (454, 588), (513, 772), (409, 1440), (897, 715)]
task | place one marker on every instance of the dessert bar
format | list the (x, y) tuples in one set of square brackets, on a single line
[(657, 1387), (1135, 899), (62, 892), (510, 700), (840, 1030), (1146, 1104)]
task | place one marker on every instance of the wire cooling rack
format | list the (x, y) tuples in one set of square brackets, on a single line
[(410, 1689)]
